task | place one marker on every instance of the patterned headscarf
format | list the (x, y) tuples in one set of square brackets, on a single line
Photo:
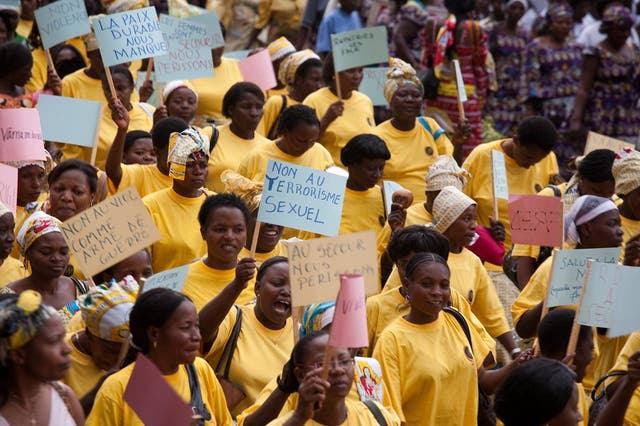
[(279, 48), (182, 145), (444, 40), (35, 226), (248, 190), (617, 14), (401, 74), (46, 164), (626, 171), (105, 309), (316, 317), (174, 85), (448, 206), (290, 65), (585, 209), (560, 9), (446, 172), (20, 318), (125, 5)]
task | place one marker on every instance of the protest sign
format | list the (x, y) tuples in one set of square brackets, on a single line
[(358, 48), (20, 135), (127, 36), (349, 325), (9, 187), (462, 92), (62, 20), (151, 397), (109, 232), (69, 120), (238, 54), (315, 266), (189, 54), (11, 5), (598, 141), (173, 279), (500, 184), (302, 198), (372, 85), (567, 274), (536, 219), (212, 24), (388, 188), (368, 378), (259, 70)]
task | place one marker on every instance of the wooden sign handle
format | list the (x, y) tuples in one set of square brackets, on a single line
[(254, 240)]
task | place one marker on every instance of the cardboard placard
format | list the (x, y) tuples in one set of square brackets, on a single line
[(259, 70), (366, 46), (20, 135), (349, 325), (536, 220), (302, 198), (212, 24), (598, 141), (500, 184), (9, 187), (315, 266), (110, 231), (372, 85), (127, 36), (70, 120), (173, 279), (62, 20)]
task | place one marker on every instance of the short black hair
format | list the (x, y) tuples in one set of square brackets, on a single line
[(235, 93), (304, 68), (537, 132), (133, 136), (554, 331), (13, 56), (74, 164), (162, 130), (596, 166), (364, 146), (268, 264), (217, 201), (122, 70), (300, 350), (294, 115), (423, 257), (417, 238), (459, 7)]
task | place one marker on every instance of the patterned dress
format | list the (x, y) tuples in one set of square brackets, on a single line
[(612, 107), (413, 11)]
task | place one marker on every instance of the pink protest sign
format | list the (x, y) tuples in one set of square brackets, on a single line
[(349, 327), (20, 135), (152, 399), (259, 70), (9, 187), (536, 220)]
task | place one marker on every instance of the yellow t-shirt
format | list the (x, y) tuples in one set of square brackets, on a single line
[(110, 409), (416, 215), (630, 228), (84, 374), (79, 85), (608, 350), (632, 415), (534, 292), (356, 119), (11, 270), (430, 366), (204, 283), (271, 111), (39, 68), (259, 355), (146, 178), (211, 90), (357, 414), (228, 153), (412, 152), (278, 250), (176, 217), (520, 181), (24, 27)]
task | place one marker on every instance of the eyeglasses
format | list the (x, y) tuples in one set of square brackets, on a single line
[(335, 363)]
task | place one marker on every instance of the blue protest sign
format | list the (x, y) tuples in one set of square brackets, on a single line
[(69, 120), (61, 21)]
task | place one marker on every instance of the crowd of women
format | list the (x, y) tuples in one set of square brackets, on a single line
[(452, 331)]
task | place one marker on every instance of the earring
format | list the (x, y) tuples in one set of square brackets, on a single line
[(155, 344)]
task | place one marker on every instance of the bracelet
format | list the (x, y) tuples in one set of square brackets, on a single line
[(515, 352)]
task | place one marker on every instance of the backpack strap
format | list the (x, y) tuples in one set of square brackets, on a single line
[(556, 190), (462, 321), (375, 410), (196, 402), (214, 139), (230, 347), (273, 131)]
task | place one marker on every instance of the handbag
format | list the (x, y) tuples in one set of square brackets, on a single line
[(197, 404), (600, 400), (233, 394)]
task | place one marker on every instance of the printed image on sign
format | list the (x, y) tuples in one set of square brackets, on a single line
[(9, 187), (259, 70), (212, 24), (536, 219), (358, 48), (62, 20), (372, 85), (315, 266), (368, 378), (598, 141), (302, 198), (20, 135), (567, 274), (172, 278), (69, 120), (500, 185), (127, 36), (110, 231), (349, 325), (189, 53)]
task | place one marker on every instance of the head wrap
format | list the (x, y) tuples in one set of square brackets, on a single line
[(617, 14), (279, 48), (20, 318), (35, 226), (4, 209), (626, 171), (446, 172), (289, 66), (174, 85), (124, 5), (105, 309), (46, 164), (401, 74), (248, 190), (585, 209), (525, 3), (560, 9), (448, 206), (316, 317), (183, 144)]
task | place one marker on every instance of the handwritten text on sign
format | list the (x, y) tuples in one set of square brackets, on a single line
[(499, 173), (372, 85), (62, 20), (173, 279), (568, 271), (302, 198), (315, 266), (20, 135), (357, 48), (536, 219), (110, 231), (211, 22), (130, 35)]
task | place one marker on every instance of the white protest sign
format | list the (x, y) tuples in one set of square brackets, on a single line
[(352, 49), (173, 279), (62, 20), (500, 184), (388, 188), (462, 92)]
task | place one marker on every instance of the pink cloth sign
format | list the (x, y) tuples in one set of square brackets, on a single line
[(536, 220), (259, 70), (20, 135), (9, 187), (349, 327)]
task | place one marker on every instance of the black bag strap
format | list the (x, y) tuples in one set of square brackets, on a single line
[(197, 403), (230, 347), (556, 190), (462, 321), (375, 410), (594, 392), (273, 131), (214, 139)]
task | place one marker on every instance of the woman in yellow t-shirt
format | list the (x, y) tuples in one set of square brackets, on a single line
[(10, 268), (624, 393), (164, 328), (266, 331), (242, 104)]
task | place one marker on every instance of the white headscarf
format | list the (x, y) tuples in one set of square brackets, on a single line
[(585, 209)]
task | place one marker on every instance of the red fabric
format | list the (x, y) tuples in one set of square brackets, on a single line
[(486, 248)]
